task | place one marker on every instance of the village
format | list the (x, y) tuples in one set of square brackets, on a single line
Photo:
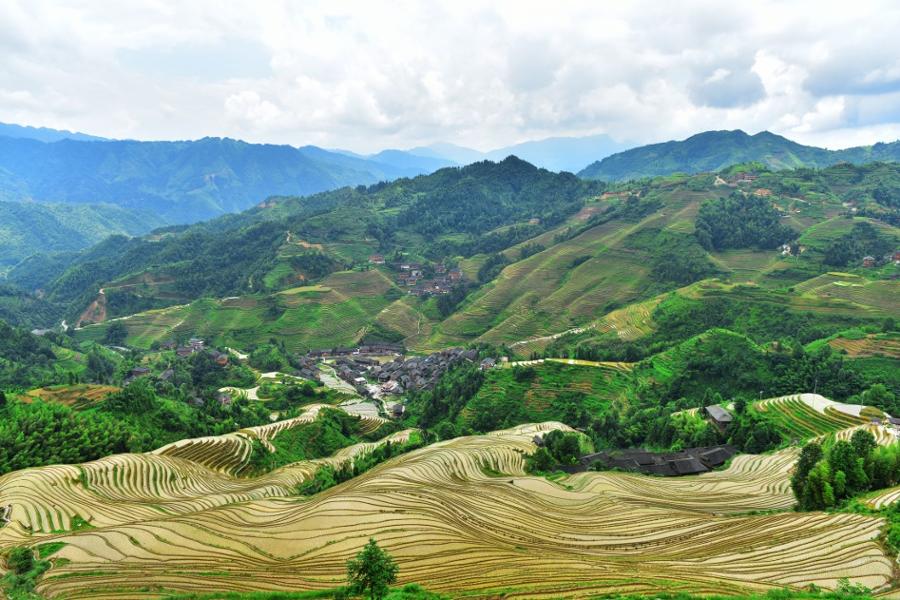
[(373, 370), (422, 280)]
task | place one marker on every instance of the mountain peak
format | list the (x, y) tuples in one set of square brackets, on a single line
[(712, 151)]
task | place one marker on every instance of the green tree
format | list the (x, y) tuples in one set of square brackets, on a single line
[(863, 443), (116, 334), (809, 456), (20, 560), (371, 572)]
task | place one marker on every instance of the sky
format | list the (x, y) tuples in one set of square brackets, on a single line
[(371, 75)]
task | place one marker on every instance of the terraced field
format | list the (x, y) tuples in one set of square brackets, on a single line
[(336, 312), (870, 345), (160, 523), (806, 416), (77, 396), (566, 285), (878, 297)]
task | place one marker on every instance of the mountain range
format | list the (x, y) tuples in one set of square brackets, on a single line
[(712, 151), (182, 181), (131, 187)]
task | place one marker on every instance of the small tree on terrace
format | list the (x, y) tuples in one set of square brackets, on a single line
[(371, 572)]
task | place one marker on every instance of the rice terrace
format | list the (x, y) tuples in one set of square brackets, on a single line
[(449, 300)]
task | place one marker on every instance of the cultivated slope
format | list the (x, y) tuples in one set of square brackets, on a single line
[(168, 524)]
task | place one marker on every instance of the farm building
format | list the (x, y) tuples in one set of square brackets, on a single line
[(868, 261), (691, 461), (376, 259), (488, 363), (718, 416)]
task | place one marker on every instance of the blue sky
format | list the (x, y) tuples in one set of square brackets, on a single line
[(371, 75)]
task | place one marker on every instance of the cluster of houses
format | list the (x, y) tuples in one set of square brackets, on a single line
[(353, 369), (193, 346), (871, 262), (373, 378), (412, 275), (691, 461), (306, 368), (739, 179), (418, 373)]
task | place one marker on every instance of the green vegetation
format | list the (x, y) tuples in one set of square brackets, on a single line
[(739, 221), (180, 181), (371, 572), (863, 240), (712, 151), (28, 228), (332, 430), (631, 405), (558, 448), (328, 476), (451, 212), (830, 473), (135, 419), (24, 570)]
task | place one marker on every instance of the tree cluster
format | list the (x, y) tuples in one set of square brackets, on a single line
[(828, 474), (739, 221)]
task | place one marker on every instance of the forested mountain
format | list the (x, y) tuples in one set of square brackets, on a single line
[(539, 252), (28, 228), (180, 182), (712, 151), (484, 207)]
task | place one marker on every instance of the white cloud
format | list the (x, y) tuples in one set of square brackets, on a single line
[(369, 75)]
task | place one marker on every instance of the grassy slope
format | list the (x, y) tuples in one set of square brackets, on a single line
[(576, 282), (336, 312)]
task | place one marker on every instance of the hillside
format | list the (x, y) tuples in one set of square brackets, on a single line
[(179, 182), (484, 207), (712, 151), (32, 228), (622, 312), (595, 533), (601, 261)]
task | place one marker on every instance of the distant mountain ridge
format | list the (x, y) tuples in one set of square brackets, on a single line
[(554, 154), (712, 151), (183, 181), (45, 134)]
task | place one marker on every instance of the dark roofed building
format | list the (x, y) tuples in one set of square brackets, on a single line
[(719, 417), (688, 466), (716, 457)]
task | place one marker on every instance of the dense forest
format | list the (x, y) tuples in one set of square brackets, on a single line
[(741, 221)]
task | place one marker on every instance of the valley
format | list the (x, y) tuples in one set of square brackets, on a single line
[(437, 363)]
